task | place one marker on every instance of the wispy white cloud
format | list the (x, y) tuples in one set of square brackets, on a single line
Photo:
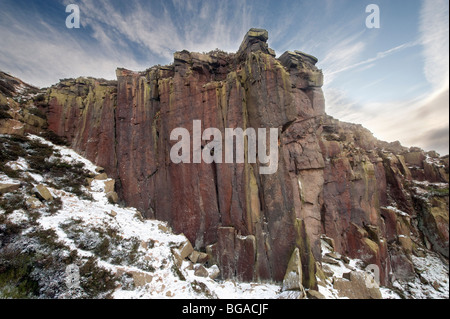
[(370, 61), (414, 122), (195, 25), (40, 53), (135, 36), (434, 30)]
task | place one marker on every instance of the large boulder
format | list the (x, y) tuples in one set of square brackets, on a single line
[(8, 188), (200, 271), (183, 251), (293, 278), (110, 186), (12, 127), (43, 193), (112, 197)]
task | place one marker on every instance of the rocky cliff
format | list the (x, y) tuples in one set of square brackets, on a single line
[(17, 116), (376, 201)]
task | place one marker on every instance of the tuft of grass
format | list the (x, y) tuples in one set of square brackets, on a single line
[(55, 205), (16, 281), (96, 281), (12, 201), (39, 98), (38, 155), (9, 229), (48, 238), (10, 149), (7, 88), (37, 112), (54, 138), (103, 250), (439, 191), (9, 171)]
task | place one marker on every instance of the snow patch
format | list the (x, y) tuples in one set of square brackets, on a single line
[(18, 217), (396, 210), (19, 165)]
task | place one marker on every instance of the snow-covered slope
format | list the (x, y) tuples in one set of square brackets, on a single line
[(80, 245), (136, 252)]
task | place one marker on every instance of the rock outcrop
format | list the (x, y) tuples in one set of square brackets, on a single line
[(7, 188), (359, 286), (377, 201), (20, 107)]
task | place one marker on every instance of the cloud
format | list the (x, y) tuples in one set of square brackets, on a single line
[(438, 138), (426, 125), (41, 53), (420, 121), (370, 61), (171, 26), (343, 55), (135, 35), (341, 106), (434, 36)]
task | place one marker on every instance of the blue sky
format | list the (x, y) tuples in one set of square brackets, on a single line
[(393, 80)]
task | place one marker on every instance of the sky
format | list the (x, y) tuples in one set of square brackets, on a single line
[(394, 79)]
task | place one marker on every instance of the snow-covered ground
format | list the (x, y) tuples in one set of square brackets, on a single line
[(126, 223), (433, 282), (139, 252), (339, 268), (68, 155)]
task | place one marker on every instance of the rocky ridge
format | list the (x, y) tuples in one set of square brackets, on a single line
[(379, 202)]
